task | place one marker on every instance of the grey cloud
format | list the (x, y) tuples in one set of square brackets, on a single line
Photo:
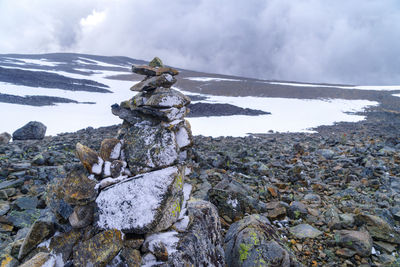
[(353, 42)]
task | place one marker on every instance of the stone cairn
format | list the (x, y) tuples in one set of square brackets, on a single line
[(127, 205)]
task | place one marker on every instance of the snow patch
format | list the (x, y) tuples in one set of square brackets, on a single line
[(182, 224), (115, 153), (168, 239), (97, 168), (358, 87), (211, 79), (233, 202), (182, 137), (109, 181), (150, 260), (107, 169)]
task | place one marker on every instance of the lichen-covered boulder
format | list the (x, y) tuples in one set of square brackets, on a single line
[(201, 244), (144, 203), (33, 130), (161, 98), (63, 243), (253, 241), (99, 250), (149, 147)]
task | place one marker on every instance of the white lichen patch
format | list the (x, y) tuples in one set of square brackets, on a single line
[(133, 204)]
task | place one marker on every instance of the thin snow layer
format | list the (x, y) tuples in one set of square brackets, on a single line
[(398, 95), (182, 137), (359, 87), (97, 168), (133, 203), (150, 260), (107, 169), (168, 239), (182, 224), (211, 79), (116, 151), (288, 115), (54, 261), (170, 101)]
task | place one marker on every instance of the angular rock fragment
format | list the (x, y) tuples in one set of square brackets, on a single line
[(359, 241), (38, 260), (5, 138), (42, 229), (110, 149), (151, 83), (99, 250), (82, 216), (161, 98), (78, 188), (153, 71), (89, 158)]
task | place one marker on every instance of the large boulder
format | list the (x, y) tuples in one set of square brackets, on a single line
[(201, 244), (149, 147), (253, 241), (145, 203), (33, 130)]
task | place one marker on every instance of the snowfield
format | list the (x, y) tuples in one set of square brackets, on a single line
[(288, 115)]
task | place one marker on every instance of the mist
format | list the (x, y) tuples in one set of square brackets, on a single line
[(345, 42)]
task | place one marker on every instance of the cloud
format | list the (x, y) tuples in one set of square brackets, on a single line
[(354, 42)]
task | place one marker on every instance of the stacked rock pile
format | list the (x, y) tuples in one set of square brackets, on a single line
[(128, 204)]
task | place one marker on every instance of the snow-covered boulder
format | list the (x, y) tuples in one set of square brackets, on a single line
[(145, 203)]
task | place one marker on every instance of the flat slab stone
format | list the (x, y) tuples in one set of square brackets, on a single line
[(141, 203), (305, 231)]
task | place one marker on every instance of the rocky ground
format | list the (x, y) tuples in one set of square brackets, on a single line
[(333, 196)]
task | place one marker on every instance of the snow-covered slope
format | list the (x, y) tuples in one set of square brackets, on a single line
[(288, 114)]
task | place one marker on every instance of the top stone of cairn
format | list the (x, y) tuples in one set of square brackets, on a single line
[(155, 68)]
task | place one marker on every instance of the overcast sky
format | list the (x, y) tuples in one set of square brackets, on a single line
[(336, 41)]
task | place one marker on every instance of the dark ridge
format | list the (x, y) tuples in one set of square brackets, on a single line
[(207, 110), (34, 100), (50, 80)]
